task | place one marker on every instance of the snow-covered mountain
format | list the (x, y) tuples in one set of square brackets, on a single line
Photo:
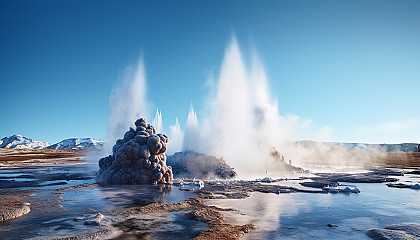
[(21, 142), (403, 147), (78, 144), (398, 147)]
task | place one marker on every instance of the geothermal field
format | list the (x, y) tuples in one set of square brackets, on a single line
[(141, 193), (239, 174), (209, 120)]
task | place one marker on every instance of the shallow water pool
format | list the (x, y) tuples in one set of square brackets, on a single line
[(306, 215)]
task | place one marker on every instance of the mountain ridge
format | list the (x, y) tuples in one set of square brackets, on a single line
[(20, 142), (368, 147)]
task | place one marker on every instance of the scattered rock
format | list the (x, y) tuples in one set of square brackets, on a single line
[(331, 225), (332, 179), (398, 185), (369, 177), (96, 221), (403, 185), (319, 184)]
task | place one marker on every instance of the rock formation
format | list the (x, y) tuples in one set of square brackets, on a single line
[(191, 164), (137, 158)]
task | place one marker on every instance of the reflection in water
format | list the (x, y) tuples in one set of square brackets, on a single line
[(306, 215), (260, 209), (53, 213), (135, 195)]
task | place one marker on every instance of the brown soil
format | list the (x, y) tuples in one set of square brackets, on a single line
[(29, 156), (11, 204), (198, 212), (406, 159), (76, 187)]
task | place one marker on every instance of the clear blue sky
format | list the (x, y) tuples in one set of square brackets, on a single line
[(350, 65)]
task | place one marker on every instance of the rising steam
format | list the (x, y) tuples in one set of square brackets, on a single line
[(127, 103), (157, 122), (176, 139), (192, 133), (242, 123)]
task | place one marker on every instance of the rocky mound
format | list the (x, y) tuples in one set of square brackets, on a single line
[(11, 204), (137, 158), (191, 164), (396, 231)]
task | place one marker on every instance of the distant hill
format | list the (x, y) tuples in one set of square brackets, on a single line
[(21, 142), (78, 144), (399, 147)]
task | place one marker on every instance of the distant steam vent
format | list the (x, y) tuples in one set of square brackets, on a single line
[(137, 158)]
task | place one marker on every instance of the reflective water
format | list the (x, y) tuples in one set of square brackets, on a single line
[(306, 215), (53, 212), (283, 216)]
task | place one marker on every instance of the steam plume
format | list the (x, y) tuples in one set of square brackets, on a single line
[(176, 138), (243, 123), (127, 103), (157, 122), (192, 133)]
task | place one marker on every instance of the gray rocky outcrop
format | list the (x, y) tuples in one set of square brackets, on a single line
[(191, 164), (139, 157), (396, 231)]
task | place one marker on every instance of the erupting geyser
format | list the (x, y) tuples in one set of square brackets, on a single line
[(137, 158)]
